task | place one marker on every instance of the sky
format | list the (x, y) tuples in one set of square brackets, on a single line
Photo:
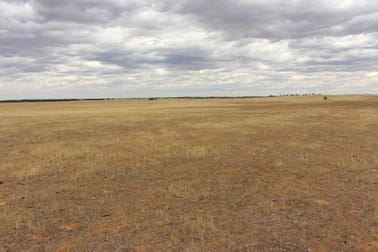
[(143, 48)]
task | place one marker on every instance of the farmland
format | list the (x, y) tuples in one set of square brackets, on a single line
[(263, 174)]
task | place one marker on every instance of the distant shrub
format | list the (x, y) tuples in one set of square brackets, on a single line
[(325, 97), (152, 98)]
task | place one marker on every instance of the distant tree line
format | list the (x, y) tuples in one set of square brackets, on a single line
[(55, 100), (228, 97), (309, 94), (155, 98)]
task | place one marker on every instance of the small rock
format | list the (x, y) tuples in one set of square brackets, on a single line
[(93, 198), (309, 250)]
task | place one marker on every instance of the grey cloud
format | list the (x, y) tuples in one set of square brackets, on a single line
[(84, 11), (123, 58), (184, 58), (241, 44), (282, 19)]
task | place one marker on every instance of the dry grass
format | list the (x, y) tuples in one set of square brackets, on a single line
[(274, 174)]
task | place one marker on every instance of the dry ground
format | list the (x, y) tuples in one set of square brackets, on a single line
[(271, 174)]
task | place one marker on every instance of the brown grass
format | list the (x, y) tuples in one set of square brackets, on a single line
[(273, 174)]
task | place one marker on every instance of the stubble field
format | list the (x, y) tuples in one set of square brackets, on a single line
[(264, 174)]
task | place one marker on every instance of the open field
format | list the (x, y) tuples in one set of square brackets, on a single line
[(271, 174)]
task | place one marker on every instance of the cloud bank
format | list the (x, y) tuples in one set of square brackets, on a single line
[(92, 48)]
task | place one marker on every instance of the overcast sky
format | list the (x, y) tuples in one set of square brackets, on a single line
[(115, 48)]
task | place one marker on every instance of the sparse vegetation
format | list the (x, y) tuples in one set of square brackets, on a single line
[(277, 174)]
